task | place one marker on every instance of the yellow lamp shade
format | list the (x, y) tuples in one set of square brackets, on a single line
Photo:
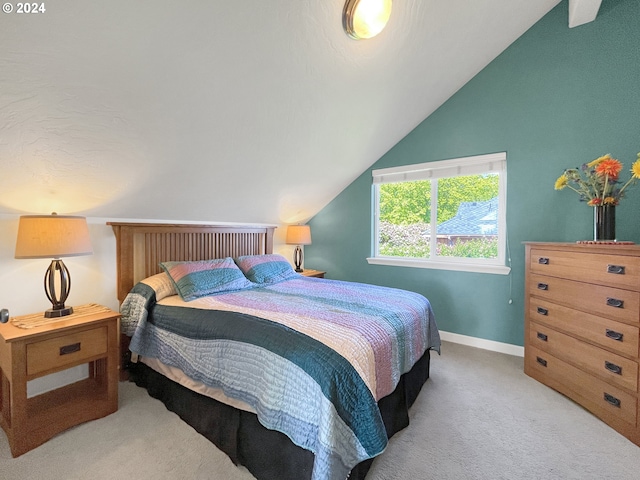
[(298, 235), (52, 236)]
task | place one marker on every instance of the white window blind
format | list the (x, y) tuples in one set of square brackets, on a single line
[(476, 165)]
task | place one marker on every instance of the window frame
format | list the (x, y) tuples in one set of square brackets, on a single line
[(463, 166)]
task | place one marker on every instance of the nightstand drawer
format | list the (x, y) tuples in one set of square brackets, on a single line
[(65, 350)]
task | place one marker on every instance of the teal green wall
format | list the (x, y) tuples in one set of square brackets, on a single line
[(557, 97)]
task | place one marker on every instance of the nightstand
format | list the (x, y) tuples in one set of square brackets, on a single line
[(313, 273), (89, 335)]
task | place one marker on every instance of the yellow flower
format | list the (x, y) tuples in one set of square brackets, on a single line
[(595, 162), (598, 182), (635, 168), (561, 182)]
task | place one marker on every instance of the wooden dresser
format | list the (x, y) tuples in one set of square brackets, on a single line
[(582, 321)]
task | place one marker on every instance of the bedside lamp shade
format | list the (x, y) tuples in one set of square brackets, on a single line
[(54, 236), (298, 235)]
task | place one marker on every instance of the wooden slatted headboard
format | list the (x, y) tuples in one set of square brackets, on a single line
[(140, 247)]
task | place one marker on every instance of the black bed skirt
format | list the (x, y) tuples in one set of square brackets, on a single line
[(268, 454)]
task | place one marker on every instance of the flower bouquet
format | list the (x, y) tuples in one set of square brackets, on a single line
[(598, 183)]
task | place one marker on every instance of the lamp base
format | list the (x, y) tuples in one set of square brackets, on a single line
[(297, 258), (61, 312)]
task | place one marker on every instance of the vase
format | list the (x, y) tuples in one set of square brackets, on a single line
[(604, 222)]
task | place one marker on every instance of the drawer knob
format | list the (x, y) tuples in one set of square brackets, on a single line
[(543, 311), (616, 269), (614, 335), (542, 337), (613, 368), (612, 400), (614, 302), (67, 349), (541, 361), (543, 286), (543, 261)]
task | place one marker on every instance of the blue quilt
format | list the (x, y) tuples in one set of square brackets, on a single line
[(285, 350)]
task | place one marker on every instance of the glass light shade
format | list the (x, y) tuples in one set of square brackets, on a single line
[(298, 235), (365, 18), (52, 236)]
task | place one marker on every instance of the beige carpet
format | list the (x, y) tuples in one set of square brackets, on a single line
[(479, 417)]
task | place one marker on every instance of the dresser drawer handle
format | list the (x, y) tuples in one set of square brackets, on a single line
[(543, 286), (543, 261), (612, 400), (543, 311), (617, 269), (74, 347), (541, 361), (614, 335), (614, 302), (613, 368), (542, 337)]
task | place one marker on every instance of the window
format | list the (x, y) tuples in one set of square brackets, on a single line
[(449, 214)]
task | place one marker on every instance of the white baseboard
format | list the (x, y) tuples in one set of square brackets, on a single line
[(499, 347)]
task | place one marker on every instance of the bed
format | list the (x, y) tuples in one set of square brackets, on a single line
[(292, 377)]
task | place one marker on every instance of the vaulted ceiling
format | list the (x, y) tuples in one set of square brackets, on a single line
[(246, 111)]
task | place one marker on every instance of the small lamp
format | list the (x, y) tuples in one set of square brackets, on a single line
[(54, 236), (298, 235), (365, 18)]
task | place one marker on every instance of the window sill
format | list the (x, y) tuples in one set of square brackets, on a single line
[(440, 265)]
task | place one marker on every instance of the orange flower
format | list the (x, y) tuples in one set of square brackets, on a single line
[(610, 168), (610, 201)]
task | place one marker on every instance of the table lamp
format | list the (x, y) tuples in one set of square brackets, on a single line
[(54, 236), (298, 235)]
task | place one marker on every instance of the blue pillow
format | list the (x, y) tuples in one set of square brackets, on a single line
[(266, 269), (206, 277)]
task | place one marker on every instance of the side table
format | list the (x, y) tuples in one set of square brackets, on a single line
[(313, 273), (32, 347)]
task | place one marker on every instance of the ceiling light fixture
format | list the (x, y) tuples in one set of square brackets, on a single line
[(365, 18)]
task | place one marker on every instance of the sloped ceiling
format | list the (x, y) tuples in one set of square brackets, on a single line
[(241, 111)]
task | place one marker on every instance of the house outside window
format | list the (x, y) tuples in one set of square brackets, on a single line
[(449, 214)]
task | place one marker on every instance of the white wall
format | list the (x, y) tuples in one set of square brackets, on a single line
[(93, 277), (163, 109), (93, 280)]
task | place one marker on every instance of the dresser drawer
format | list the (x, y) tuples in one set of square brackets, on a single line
[(613, 303), (610, 367), (612, 270), (618, 337), (591, 392), (66, 350)]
